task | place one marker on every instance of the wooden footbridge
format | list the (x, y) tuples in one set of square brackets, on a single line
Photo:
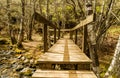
[(64, 59)]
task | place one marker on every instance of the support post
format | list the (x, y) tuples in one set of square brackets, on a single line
[(71, 35), (45, 38), (54, 35), (59, 32), (84, 42), (76, 31)]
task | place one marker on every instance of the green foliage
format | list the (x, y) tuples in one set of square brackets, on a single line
[(103, 69), (69, 8), (98, 9)]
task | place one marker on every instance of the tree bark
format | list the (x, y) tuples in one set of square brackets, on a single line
[(31, 22), (92, 40), (20, 37), (48, 15), (12, 37)]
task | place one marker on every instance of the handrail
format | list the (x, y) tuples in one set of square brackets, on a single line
[(42, 19), (88, 20)]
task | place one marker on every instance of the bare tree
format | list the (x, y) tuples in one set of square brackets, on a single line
[(92, 40), (20, 37), (29, 36), (12, 37)]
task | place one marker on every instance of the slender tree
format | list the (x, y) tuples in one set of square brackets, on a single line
[(12, 37), (20, 37), (92, 40)]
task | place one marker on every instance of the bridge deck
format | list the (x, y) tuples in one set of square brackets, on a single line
[(63, 52)]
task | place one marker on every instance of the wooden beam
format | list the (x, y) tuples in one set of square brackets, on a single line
[(59, 32), (71, 35), (43, 20), (54, 35), (45, 38), (84, 42), (76, 31), (88, 20)]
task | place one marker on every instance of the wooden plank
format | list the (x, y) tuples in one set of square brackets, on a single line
[(59, 32), (54, 35), (76, 32), (43, 20), (45, 38), (84, 41), (64, 52), (88, 20), (63, 74)]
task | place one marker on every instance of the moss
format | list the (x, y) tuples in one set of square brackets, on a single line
[(19, 51), (26, 72)]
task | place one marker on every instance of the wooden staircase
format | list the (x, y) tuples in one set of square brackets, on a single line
[(64, 60)]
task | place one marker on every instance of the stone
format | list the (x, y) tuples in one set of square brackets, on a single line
[(23, 58), (15, 75), (4, 71), (13, 61), (19, 67), (26, 61), (31, 61), (26, 71), (10, 52), (19, 56)]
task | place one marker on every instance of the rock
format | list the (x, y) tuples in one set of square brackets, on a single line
[(19, 56), (26, 61), (23, 58), (15, 75), (26, 71), (31, 61), (4, 71), (10, 52), (19, 67), (13, 61)]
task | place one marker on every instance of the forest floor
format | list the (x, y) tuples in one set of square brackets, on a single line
[(20, 63), (107, 48)]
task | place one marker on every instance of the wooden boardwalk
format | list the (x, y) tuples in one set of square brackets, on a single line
[(65, 51)]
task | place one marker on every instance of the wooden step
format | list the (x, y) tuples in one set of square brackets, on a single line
[(63, 74)]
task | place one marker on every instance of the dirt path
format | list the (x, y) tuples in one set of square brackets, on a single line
[(33, 47)]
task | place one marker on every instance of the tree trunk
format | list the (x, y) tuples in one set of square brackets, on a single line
[(12, 37), (31, 22), (92, 40), (114, 68), (20, 37), (48, 17)]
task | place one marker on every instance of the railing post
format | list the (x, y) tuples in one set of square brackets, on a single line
[(45, 38), (71, 35), (54, 35), (59, 32), (84, 42), (76, 31)]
